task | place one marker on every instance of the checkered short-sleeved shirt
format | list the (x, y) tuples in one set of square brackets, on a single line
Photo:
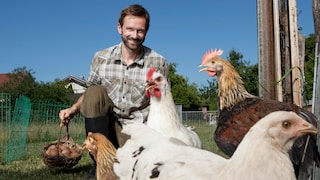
[(126, 84)]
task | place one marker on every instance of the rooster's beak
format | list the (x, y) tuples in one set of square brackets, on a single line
[(84, 146), (203, 69), (150, 84), (308, 128)]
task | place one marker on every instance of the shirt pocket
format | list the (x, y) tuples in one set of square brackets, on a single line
[(138, 92), (112, 86)]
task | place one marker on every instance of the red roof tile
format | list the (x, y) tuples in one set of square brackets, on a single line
[(3, 78)]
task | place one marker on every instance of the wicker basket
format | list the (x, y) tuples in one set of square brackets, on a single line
[(61, 159)]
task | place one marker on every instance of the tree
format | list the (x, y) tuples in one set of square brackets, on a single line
[(208, 94), (248, 73), (52, 91), (309, 65), (183, 92), (21, 82)]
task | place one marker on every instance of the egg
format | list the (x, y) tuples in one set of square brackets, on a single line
[(53, 146), (66, 152), (74, 153), (63, 147), (52, 152)]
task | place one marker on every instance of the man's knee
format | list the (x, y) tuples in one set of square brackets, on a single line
[(96, 102)]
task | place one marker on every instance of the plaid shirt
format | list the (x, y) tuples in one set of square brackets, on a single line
[(126, 84)]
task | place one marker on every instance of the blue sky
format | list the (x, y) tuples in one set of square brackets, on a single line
[(57, 38)]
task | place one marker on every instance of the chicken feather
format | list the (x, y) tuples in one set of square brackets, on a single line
[(263, 153), (163, 115), (104, 154), (239, 110)]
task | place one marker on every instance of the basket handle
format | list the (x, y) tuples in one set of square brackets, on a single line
[(67, 132), (59, 136)]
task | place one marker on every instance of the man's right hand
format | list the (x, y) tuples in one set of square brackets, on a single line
[(66, 115)]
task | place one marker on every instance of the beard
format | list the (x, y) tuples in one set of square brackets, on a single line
[(132, 43)]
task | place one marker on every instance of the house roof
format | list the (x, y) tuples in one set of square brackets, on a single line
[(4, 78), (77, 80)]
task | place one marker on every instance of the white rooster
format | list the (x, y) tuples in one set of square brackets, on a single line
[(262, 154), (163, 115)]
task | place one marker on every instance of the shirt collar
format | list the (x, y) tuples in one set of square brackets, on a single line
[(139, 60), (117, 53)]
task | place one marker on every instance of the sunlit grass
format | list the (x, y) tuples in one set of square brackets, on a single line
[(32, 166)]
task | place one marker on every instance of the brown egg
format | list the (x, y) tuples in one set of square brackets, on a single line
[(52, 152), (63, 147), (53, 146), (73, 150), (74, 153), (66, 152)]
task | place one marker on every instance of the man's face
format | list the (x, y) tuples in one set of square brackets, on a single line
[(133, 31)]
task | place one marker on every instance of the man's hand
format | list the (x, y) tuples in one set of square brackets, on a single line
[(66, 115)]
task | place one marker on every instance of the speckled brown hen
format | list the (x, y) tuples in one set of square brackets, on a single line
[(104, 153)]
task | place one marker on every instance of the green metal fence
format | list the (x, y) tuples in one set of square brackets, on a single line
[(48, 112), (27, 127), (5, 118), (44, 126)]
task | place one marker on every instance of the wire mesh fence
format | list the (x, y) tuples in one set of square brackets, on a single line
[(5, 117), (32, 125), (17, 133), (29, 126)]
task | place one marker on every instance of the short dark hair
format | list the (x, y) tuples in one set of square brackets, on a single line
[(135, 10)]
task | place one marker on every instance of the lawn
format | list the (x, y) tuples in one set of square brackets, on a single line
[(32, 166)]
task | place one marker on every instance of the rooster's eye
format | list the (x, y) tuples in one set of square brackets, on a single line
[(286, 124), (158, 79)]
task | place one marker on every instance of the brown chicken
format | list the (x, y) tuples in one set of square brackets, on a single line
[(239, 111), (104, 153)]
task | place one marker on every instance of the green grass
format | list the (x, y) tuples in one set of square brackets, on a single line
[(32, 166)]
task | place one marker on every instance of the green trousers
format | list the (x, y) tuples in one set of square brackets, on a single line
[(97, 108)]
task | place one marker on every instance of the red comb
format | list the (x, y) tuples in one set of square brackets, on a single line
[(150, 73), (211, 54)]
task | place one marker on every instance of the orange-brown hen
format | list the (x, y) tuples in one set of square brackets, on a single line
[(104, 153), (239, 111)]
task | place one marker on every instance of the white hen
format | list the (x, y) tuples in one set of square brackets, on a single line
[(262, 154), (163, 115)]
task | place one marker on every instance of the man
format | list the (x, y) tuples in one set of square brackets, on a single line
[(116, 91)]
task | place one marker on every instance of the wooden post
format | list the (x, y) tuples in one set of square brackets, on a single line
[(285, 51), (293, 28), (277, 53), (302, 47), (266, 49), (316, 85)]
